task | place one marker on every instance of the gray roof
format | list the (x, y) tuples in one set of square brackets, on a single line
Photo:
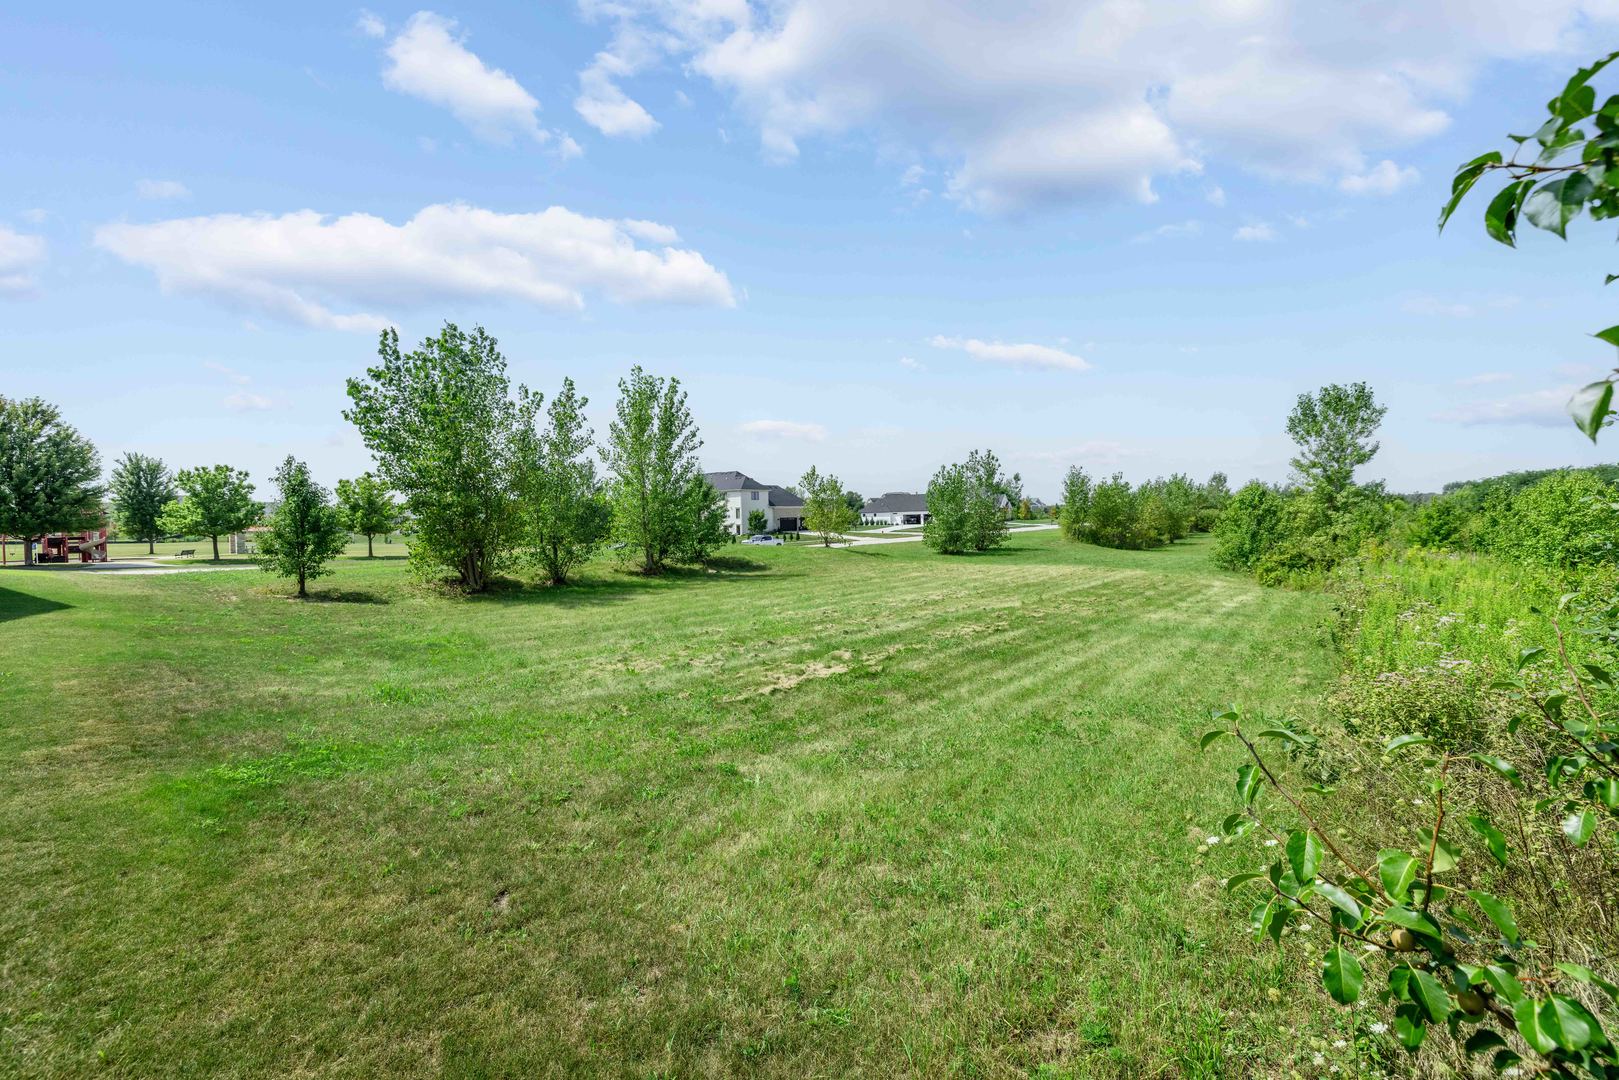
[(896, 502), (734, 481), (780, 496)]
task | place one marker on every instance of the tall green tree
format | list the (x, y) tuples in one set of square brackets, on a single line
[(567, 512), (1075, 515), (949, 527), (758, 521), (703, 512), (48, 474), (826, 511), (368, 508), (656, 484), (855, 502), (1333, 429), (141, 487), (988, 502), (215, 501), (449, 437), (306, 532), (1114, 510)]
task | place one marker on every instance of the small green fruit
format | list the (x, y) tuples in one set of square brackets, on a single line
[(1471, 1002), (1403, 940)]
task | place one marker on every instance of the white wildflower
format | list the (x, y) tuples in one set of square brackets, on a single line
[(1379, 1027)]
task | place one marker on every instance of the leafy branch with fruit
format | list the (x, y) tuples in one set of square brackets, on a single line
[(1451, 954)]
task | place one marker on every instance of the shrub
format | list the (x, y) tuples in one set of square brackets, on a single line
[(1249, 526), (1113, 514), (1567, 520)]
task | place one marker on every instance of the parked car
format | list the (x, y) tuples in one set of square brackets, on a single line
[(761, 538)]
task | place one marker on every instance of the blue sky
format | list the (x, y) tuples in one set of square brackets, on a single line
[(1121, 236)]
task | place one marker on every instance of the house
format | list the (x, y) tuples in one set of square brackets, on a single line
[(896, 508), (783, 511)]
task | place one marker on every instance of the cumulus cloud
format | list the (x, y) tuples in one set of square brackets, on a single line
[(1016, 355), (162, 189), (338, 272), (429, 61), (1384, 178), (370, 24), (1541, 408), (20, 256), (912, 363), (1257, 232), (1073, 99), (784, 429)]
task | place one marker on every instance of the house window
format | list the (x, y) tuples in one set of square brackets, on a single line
[(754, 495)]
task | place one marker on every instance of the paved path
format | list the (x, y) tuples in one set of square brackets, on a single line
[(129, 567), (916, 538)]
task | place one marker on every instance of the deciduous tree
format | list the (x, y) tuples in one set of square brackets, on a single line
[(651, 453), (215, 501), (1075, 516), (758, 522), (567, 513), (448, 436), (305, 533), (368, 508), (949, 529), (48, 474), (141, 487), (1333, 429), (826, 511), (986, 488)]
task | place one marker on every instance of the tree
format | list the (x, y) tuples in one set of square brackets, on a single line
[(948, 530), (1074, 517), (567, 513), (1333, 429), (48, 474), (855, 502), (652, 453), (215, 501), (703, 515), (1024, 510), (826, 511), (305, 533), (448, 436), (1550, 195), (1251, 526), (757, 521), (986, 518), (368, 508), (141, 487), (1113, 513)]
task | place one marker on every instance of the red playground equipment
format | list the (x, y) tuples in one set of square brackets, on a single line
[(87, 546)]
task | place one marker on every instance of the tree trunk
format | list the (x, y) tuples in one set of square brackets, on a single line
[(303, 593), (151, 545), (369, 553), (27, 552), (215, 539)]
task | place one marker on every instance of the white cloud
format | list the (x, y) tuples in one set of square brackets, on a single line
[(427, 60), (370, 24), (912, 363), (784, 429), (1542, 408), (1484, 378), (1215, 195), (305, 266), (1172, 231), (162, 189), (20, 255), (1070, 99), (1384, 178), (230, 373), (247, 401), (1017, 355), (1258, 232), (605, 107)]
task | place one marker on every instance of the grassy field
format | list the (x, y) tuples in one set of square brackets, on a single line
[(119, 550), (862, 812)]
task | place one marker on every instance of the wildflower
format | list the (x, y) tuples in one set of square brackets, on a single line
[(1273, 994), (1211, 841), (1318, 1059), (1338, 1044), (1270, 843), (1379, 1027), (1416, 802)]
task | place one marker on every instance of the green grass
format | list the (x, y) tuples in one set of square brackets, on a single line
[(119, 550), (814, 813)]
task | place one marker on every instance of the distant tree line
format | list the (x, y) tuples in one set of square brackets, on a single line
[(1112, 513)]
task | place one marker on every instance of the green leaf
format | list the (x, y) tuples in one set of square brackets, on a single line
[(1341, 974), (1283, 733), (1400, 742), (1445, 856), (1210, 737), (1482, 1041), (1553, 205), (1529, 655), (1590, 406), (1398, 870), (1500, 765), (1493, 838), (1340, 899), (1526, 1014), (1498, 911), (1430, 995), (1236, 881), (1566, 1023), (1578, 827), (1501, 216), (1304, 855), (1249, 779), (1414, 921), (1466, 177), (1610, 335), (1586, 975), (1505, 983), (1410, 1026)]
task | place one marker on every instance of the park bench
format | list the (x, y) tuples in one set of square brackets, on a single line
[(187, 553)]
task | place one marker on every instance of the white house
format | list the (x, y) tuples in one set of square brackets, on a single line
[(896, 508), (783, 511)]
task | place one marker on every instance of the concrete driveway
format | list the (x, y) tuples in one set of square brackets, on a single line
[(916, 538)]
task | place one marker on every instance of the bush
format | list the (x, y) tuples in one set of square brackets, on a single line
[(1567, 520), (1249, 527)]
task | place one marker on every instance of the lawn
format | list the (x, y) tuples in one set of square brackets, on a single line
[(119, 550), (815, 813)]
